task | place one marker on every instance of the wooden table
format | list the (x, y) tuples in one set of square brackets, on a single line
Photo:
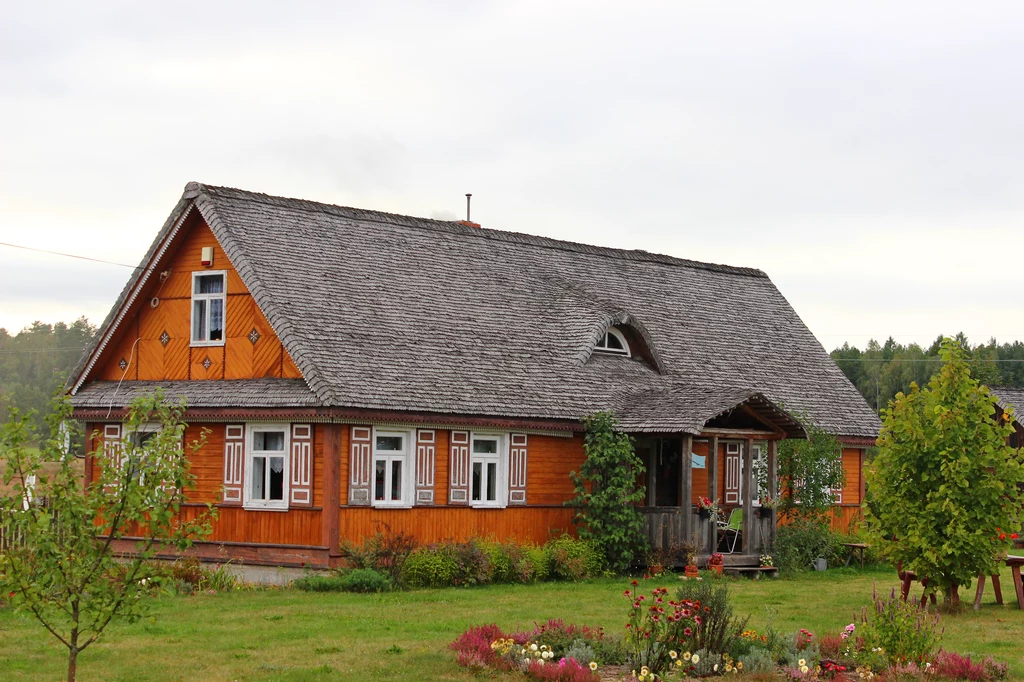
[(1015, 563), (855, 546)]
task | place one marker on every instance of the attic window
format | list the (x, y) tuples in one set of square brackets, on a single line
[(208, 300), (613, 342)]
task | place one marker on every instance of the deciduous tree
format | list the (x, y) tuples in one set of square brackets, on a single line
[(65, 571), (944, 491)]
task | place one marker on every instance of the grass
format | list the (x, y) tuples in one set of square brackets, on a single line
[(292, 635)]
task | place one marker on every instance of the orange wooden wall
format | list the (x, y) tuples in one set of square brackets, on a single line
[(138, 338), (431, 524)]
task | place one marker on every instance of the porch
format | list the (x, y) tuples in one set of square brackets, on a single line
[(720, 465)]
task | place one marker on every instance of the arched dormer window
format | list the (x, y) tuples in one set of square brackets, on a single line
[(613, 341)]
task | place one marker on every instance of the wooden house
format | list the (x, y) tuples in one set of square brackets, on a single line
[(1007, 397), (356, 368)]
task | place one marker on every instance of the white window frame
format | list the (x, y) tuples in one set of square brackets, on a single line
[(222, 296), (408, 459), (126, 450), (250, 454), (602, 344), (501, 457)]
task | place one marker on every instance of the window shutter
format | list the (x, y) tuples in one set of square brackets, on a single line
[(732, 473), (426, 452), (361, 465), (234, 464), (113, 450), (302, 465), (517, 469), (458, 493)]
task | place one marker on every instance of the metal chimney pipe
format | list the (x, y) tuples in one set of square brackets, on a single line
[(468, 197)]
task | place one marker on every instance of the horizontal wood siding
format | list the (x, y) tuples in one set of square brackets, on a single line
[(234, 524), (431, 524), (550, 460), (138, 338), (851, 468)]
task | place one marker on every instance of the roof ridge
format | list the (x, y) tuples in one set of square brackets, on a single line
[(459, 228)]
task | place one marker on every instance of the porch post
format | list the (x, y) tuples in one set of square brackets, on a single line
[(712, 491), (652, 478), (686, 487), (747, 486), (332, 489), (773, 485)]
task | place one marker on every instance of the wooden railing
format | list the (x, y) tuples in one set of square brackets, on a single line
[(664, 527)]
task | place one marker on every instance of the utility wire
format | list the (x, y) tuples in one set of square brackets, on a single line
[(71, 255)]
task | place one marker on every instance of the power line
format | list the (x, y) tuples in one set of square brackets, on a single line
[(41, 350), (71, 255)]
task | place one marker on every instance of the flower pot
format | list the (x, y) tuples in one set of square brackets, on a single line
[(717, 568), (764, 512), (820, 564), (704, 514), (691, 571)]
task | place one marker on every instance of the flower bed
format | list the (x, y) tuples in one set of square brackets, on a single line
[(695, 635)]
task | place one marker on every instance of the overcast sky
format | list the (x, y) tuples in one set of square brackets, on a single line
[(868, 156)]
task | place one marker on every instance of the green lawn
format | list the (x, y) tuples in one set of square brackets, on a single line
[(291, 635)]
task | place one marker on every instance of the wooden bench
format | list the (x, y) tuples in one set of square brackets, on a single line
[(858, 546), (754, 572)]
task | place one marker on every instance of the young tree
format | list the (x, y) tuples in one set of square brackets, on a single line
[(607, 493), (808, 471), (66, 572), (944, 490)]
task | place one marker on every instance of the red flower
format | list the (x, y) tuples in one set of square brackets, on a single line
[(1013, 536), (1002, 536), (634, 583)]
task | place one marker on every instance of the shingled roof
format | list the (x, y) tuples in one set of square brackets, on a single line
[(392, 312), (1008, 396)]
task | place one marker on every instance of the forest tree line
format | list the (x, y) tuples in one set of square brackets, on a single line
[(880, 371), (38, 359)]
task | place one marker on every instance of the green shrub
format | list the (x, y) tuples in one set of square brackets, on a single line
[(365, 580), (431, 566), (540, 562), (574, 559), (447, 564), (385, 551), (356, 580), (758, 660), (799, 543), (510, 562), (318, 583)]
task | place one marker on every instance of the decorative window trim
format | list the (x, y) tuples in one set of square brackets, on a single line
[(501, 472), (222, 296), (408, 456), (603, 345), (266, 505)]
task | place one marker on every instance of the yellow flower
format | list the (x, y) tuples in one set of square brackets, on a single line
[(644, 670), (593, 665), (739, 665), (803, 669), (687, 655), (802, 663), (679, 662), (728, 667), (695, 659)]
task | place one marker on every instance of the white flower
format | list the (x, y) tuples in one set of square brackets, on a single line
[(695, 659), (803, 669), (593, 665), (533, 647), (801, 663), (716, 667), (673, 655)]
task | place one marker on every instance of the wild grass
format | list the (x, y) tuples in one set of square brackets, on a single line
[(291, 635)]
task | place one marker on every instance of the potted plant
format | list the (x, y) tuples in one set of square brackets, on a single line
[(690, 550), (767, 561), (768, 503), (706, 507), (716, 561)]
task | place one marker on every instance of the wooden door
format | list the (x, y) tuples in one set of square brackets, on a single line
[(732, 473)]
